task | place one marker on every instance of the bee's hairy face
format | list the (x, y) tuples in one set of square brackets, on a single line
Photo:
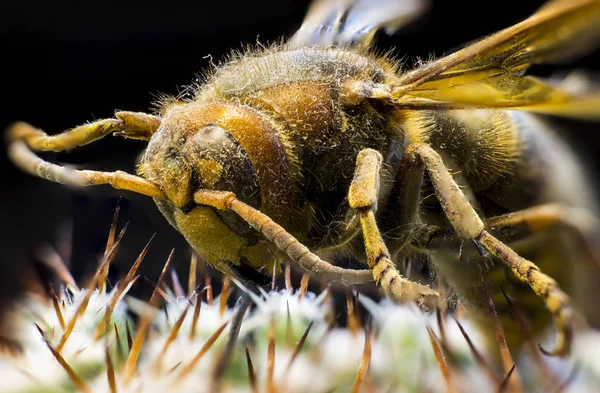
[(182, 160)]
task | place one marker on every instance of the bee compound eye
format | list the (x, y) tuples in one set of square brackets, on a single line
[(220, 163)]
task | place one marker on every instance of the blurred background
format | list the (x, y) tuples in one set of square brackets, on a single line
[(68, 62)]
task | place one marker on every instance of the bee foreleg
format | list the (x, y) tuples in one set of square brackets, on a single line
[(363, 196), (23, 157), (128, 124), (467, 225), (280, 237)]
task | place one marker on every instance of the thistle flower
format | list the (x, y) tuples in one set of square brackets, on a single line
[(88, 340)]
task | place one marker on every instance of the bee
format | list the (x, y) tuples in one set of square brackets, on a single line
[(319, 147)]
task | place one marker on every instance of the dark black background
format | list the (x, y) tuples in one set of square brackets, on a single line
[(64, 63)]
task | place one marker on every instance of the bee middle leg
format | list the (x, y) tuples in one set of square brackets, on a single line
[(468, 225), (363, 196)]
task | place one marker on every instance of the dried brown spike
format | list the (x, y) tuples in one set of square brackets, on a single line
[(224, 295), (357, 307), (251, 373), (177, 288), (192, 276), (103, 325), (57, 310), (353, 323), (109, 245), (209, 343), (153, 300), (299, 347), (441, 325), (528, 334), (478, 356), (90, 290), (172, 369), (136, 347), (288, 277), (77, 381), (437, 350), (221, 363), (129, 335), (166, 311), (123, 285), (134, 268), (170, 339), (504, 384), (369, 383), (110, 371), (303, 285), (52, 260), (146, 320), (113, 228), (364, 364), (451, 358), (208, 289), (120, 350), (158, 290), (507, 359), (196, 316), (64, 241), (271, 357)]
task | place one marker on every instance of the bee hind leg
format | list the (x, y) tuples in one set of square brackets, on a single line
[(363, 196), (520, 224), (467, 225)]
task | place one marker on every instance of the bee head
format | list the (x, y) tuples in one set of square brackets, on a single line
[(192, 151)]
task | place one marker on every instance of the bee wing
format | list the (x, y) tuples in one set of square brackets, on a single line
[(353, 22), (489, 73), (583, 101), (509, 92)]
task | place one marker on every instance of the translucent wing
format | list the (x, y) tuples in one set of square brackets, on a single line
[(353, 22), (512, 92), (489, 73)]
